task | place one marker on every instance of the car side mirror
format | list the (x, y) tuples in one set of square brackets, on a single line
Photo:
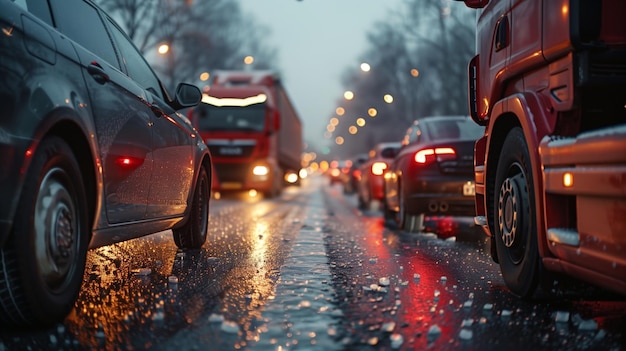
[(187, 95)]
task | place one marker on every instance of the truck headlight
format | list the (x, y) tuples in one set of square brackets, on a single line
[(260, 170)]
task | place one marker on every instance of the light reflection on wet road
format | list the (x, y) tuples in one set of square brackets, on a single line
[(309, 271)]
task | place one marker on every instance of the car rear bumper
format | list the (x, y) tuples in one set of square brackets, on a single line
[(440, 197)]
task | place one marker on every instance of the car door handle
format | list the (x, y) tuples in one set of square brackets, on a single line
[(97, 72)]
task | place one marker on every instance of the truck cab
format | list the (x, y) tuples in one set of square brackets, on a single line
[(548, 82), (252, 130)]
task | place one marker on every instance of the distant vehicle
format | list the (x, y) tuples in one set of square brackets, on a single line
[(253, 131), (92, 150), (548, 83), (338, 172), (433, 173), (371, 184), (354, 173)]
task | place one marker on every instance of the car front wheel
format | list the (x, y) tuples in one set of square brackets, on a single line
[(42, 265)]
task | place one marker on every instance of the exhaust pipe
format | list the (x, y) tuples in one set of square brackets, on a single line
[(443, 207), (432, 207)]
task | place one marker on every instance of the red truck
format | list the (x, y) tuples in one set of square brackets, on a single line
[(549, 85), (253, 132)]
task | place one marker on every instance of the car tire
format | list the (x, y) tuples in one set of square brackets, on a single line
[(515, 225), (193, 234), (42, 264), (408, 222)]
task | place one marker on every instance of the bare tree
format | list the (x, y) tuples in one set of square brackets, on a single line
[(419, 56), (202, 35)]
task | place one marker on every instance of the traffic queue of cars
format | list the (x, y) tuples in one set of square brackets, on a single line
[(93, 152), (430, 172), (433, 173)]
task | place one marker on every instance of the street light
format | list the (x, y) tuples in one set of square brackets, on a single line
[(163, 49), (365, 67)]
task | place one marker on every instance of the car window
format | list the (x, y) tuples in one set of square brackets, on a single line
[(83, 25), (137, 67), (389, 152), (453, 129), (415, 134), (37, 8)]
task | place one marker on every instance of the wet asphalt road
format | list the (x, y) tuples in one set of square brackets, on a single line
[(308, 271)]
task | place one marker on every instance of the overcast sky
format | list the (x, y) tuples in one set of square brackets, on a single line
[(316, 41)]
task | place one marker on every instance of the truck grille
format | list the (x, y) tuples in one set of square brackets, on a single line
[(233, 151)]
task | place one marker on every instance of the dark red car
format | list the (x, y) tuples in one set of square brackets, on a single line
[(370, 184), (433, 173)]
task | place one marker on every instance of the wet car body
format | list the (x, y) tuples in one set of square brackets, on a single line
[(93, 153), (354, 174), (370, 185), (338, 171), (432, 174)]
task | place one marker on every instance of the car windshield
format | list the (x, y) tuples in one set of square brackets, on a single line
[(235, 118)]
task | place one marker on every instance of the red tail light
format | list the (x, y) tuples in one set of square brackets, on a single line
[(426, 156), (378, 168)]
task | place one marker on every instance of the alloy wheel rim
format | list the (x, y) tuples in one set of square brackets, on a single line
[(56, 230)]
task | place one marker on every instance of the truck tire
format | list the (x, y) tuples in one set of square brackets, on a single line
[(515, 229), (43, 262), (193, 234)]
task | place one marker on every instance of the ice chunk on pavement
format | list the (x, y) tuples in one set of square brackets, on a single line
[(158, 316), (488, 307), (230, 327), (372, 341), (465, 334), (142, 271), (434, 331), (216, 318), (467, 323), (588, 324), (388, 327), (562, 317), (601, 334), (396, 340)]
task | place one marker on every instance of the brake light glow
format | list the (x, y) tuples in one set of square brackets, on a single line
[(429, 155), (378, 168)]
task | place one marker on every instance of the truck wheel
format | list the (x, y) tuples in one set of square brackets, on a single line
[(515, 223), (42, 264), (193, 234)]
